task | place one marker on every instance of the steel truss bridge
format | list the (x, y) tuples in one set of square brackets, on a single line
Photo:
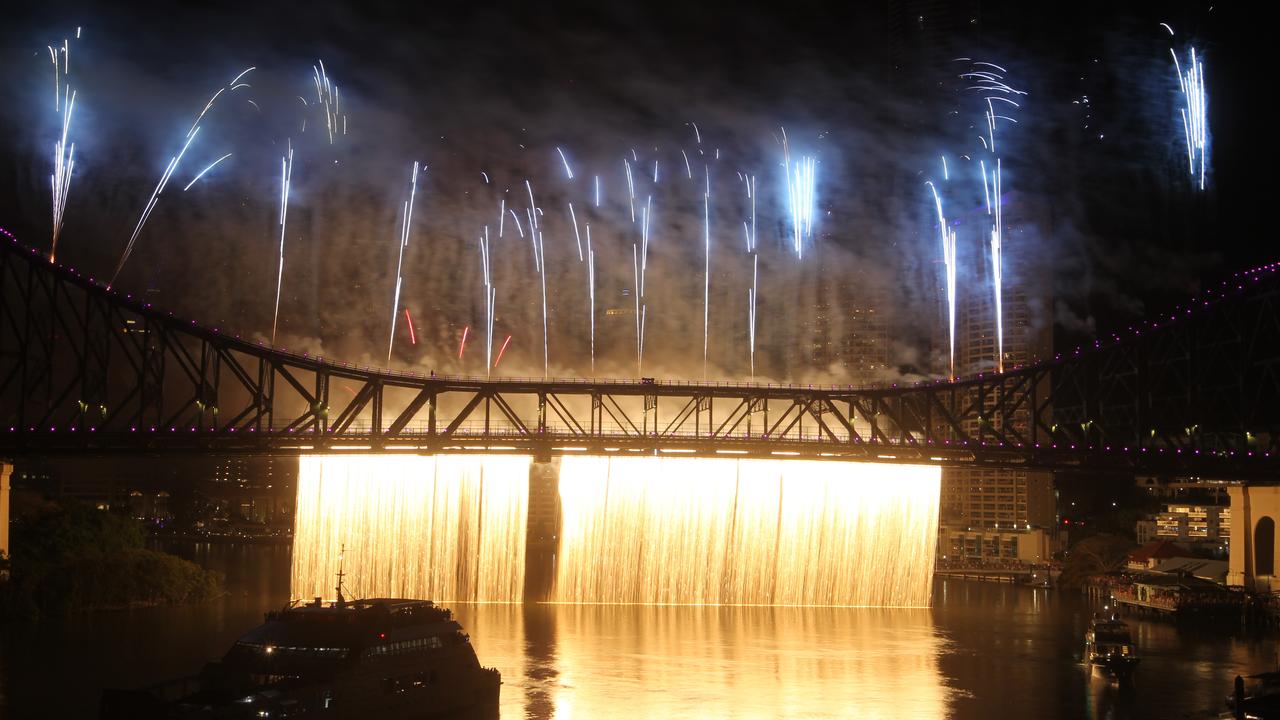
[(88, 370)]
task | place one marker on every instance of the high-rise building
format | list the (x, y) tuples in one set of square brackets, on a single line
[(848, 332), (256, 489), (986, 497)]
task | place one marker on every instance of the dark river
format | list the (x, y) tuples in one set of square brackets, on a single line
[(982, 651)]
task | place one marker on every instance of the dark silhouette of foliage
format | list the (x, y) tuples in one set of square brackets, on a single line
[(72, 557)]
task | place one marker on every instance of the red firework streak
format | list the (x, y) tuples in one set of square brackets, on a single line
[(503, 349), (463, 347), (413, 339)]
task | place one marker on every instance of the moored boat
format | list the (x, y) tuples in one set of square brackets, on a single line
[(1109, 648), (381, 657)]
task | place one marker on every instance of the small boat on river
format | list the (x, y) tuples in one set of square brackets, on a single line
[(1109, 648)]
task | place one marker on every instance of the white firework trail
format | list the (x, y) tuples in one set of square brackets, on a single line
[(986, 187), (591, 296), (200, 174), (577, 237), (997, 271), (490, 301), (533, 239), (749, 229), (635, 270), (64, 98), (801, 177), (994, 89), (531, 216), (540, 265), (168, 172), (286, 176), (567, 170), (546, 355), (54, 57), (406, 227), (706, 270), (151, 204), (753, 294), (640, 264), (986, 81), (328, 97), (516, 219), (631, 188), (64, 161), (1194, 111), (949, 260)]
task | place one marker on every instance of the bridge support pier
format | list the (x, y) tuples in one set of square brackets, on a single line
[(6, 469), (1255, 544)]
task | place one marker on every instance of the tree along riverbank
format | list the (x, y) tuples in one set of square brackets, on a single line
[(70, 557)]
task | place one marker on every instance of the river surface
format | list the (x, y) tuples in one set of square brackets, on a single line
[(982, 651)]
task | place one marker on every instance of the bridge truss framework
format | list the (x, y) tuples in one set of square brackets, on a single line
[(88, 370)]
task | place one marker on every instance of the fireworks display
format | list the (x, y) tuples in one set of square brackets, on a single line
[(986, 82), (64, 151), (406, 226), (335, 122), (949, 262), (490, 298), (286, 177), (801, 180), (172, 166), (1194, 112), (207, 168), (612, 238)]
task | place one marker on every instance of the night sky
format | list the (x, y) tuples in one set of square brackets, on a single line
[(1097, 191)]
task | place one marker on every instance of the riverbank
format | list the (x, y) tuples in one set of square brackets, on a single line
[(71, 558)]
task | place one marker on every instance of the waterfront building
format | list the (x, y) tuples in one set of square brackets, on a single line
[(153, 506), (1152, 554), (1144, 530), (1023, 544), (1211, 570), (1195, 524)]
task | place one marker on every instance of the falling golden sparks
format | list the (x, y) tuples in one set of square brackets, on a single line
[(447, 528), (746, 532), (678, 531)]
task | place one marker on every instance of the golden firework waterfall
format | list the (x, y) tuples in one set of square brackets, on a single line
[(632, 530), (742, 531), (439, 527)]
